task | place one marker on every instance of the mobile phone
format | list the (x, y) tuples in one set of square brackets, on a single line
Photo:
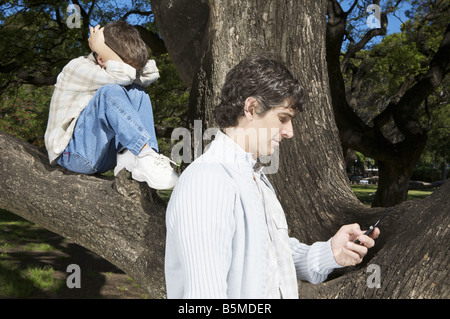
[(371, 228)]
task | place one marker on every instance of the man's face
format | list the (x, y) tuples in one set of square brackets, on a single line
[(271, 128)]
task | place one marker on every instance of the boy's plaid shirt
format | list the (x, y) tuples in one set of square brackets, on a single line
[(75, 87)]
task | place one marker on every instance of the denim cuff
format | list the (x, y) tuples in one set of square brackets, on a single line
[(143, 139)]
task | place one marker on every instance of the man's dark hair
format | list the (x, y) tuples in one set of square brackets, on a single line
[(268, 81), (126, 42)]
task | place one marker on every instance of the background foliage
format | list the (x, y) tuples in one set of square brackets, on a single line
[(36, 43)]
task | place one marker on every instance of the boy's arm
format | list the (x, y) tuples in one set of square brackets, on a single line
[(83, 74), (148, 75), (98, 45)]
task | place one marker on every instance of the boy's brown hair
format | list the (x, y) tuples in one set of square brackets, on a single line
[(126, 42)]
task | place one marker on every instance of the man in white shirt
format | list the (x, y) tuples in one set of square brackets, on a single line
[(227, 234)]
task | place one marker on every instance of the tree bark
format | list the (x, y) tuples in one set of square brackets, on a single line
[(311, 181), (119, 219)]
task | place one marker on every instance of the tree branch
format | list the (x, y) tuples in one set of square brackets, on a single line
[(352, 50), (334, 12), (352, 7), (185, 39), (152, 40), (139, 12), (121, 220), (364, 40), (413, 97)]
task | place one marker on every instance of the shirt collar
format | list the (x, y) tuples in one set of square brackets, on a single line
[(234, 153), (230, 152)]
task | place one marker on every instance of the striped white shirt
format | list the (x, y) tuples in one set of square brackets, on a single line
[(217, 234), (281, 276)]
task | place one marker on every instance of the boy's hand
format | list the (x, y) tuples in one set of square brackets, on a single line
[(97, 44), (96, 39)]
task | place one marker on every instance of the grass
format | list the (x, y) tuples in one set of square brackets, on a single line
[(18, 234), (33, 264), (366, 193), (42, 278), (39, 247)]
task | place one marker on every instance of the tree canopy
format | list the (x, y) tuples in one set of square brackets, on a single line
[(382, 91), (39, 38)]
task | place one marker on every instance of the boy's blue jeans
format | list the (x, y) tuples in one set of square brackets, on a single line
[(116, 118)]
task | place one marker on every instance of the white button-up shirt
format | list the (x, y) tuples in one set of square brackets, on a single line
[(218, 236), (281, 276)]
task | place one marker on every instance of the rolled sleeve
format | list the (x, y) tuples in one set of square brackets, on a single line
[(314, 262)]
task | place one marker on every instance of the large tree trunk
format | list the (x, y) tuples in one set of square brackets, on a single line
[(394, 176), (311, 181)]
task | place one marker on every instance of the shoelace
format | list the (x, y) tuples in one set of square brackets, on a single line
[(162, 160)]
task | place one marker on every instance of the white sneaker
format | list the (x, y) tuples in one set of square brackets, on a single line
[(149, 167)]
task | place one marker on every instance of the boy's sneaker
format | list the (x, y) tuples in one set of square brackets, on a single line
[(149, 167), (126, 160)]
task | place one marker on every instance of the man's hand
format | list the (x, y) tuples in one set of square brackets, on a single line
[(345, 251)]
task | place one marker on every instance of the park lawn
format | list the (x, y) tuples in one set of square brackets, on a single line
[(33, 263), (19, 235), (366, 193)]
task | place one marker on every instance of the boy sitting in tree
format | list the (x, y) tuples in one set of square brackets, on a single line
[(101, 117)]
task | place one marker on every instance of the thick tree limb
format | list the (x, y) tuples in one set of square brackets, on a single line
[(417, 94), (120, 220), (413, 259), (183, 39), (152, 40)]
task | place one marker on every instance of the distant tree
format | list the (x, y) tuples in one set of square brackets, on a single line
[(380, 95)]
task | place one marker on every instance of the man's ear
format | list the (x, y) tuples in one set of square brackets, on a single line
[(250, 107)]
